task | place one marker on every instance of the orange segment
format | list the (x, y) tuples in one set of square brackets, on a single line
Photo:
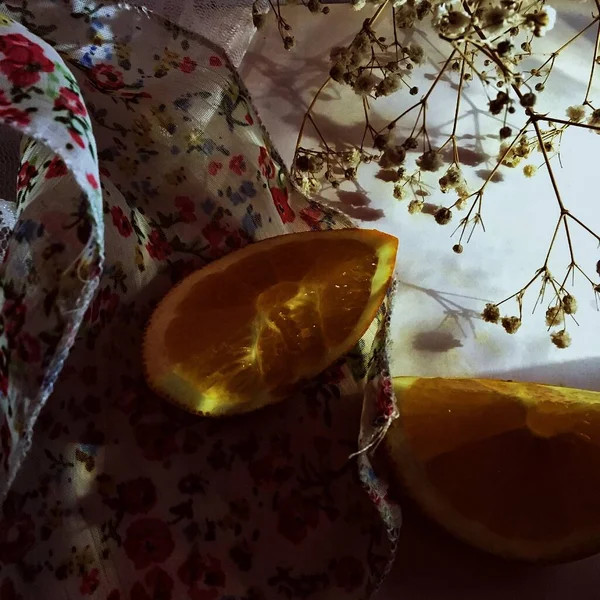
[(513, 468), (237, 334)]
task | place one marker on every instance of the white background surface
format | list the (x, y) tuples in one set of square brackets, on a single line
[(436, 329)]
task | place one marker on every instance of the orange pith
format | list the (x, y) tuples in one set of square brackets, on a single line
[(237, 334), (513, 468)]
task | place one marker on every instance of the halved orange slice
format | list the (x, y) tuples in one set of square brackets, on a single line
[(239, 333), (512, 468)]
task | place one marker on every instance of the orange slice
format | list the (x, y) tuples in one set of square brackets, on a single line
[(512, 468), (239, 333)]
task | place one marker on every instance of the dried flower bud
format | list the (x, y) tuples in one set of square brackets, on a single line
[(388, 86), (415, 53), (498, 103), (399, 193), (576, 113), (529, 170), (380, 141), (569, 304), (423, 8), (553, 316), (313, 6), (561, 339), (325, 10), (392, 156), (491, 313), (594, 119), (528, 100), (430, 161), (443, 216), (415, 206), (457, 248), (511, 324), (411, 143), (350, 173), (289, 42), (405, 16), (505, 132), (337, 72), (364, 83), (413, 90)]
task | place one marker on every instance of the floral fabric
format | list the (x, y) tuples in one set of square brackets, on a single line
[(142, 144)]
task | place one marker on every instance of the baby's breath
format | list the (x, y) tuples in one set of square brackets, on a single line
[(494, 42)]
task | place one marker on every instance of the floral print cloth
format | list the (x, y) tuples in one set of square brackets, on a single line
[(143, 159)]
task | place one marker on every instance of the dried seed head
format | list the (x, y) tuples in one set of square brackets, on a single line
[(289, 42), (364, 83), (381, 141), (505, 132), (529, 170), (576, 113), (553, 316), (561, 339), (430, 161), (457, 248), (443, 216), (399, 193), (491, 313), (511, 324), (393, 156), (569, 304), (415, 206), (337, 72)]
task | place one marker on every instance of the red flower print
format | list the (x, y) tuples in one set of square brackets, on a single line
[(103, 307), (56, 168), (159, 586), (77, 138), (265, 163), (215, 61), (137, 496), (90, 583), (237, 164), (249, 119), (197, 568), (106, 77), (92, 180), (155, 440), (5, 439), (120, 221), (186, 209), (26, 173), (214, 167), (158, 248), (295, 515), (281, 201), (384, 403), (14, 115), (70, 100), (8, 591), (148, 541), (348, 573), (17, 536), (23, 60), (187, 65), (312, 215), (28, 348)]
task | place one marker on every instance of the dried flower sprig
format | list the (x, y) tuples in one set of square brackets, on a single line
[(490, 41)]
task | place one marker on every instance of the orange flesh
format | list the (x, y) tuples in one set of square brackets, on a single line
[(272, 317), (520, 459)]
